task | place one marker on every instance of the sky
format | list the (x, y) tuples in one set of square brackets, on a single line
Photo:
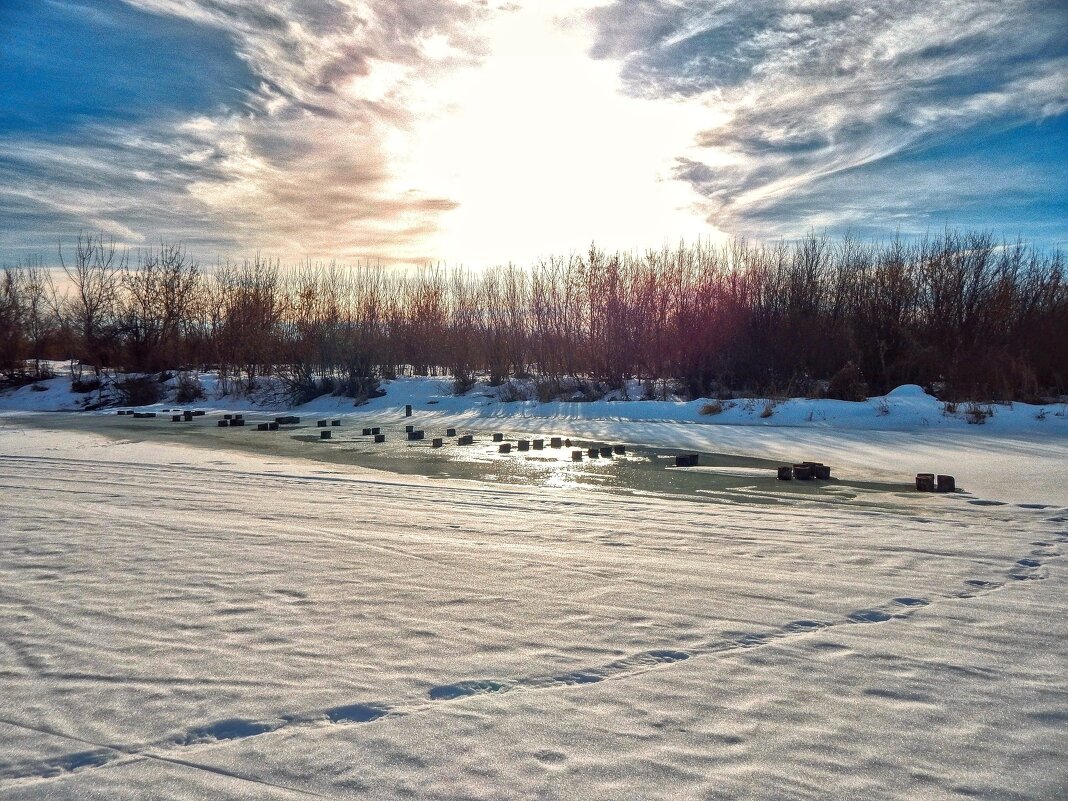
[(492, 131)]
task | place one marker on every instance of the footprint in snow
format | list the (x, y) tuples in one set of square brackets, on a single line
[(550, 757), (869, 616), (798, 626), (1027, 570), (69, 763), (751, 639), (356, 713), (464, 689), (577, 677), (979, 584), (230, 729), (662, 656)]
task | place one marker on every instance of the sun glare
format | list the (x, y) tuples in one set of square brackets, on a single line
[(545, 154)]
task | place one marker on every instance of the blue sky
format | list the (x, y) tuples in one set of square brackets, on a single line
[(482, 132)]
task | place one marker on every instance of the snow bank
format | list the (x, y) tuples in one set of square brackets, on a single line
[(906, 408)]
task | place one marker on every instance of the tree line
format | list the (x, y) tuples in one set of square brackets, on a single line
[(959, 312)]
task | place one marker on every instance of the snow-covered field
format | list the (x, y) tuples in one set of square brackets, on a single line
[(178, 622)]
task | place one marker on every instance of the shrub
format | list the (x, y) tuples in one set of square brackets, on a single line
[(509, 392), (463, 382), (360, 386), (713, 407), (84, 385), (589, 391), (548, 389), (848, 384), (768, 410), (189, 388), (139, 391), (977, 414)]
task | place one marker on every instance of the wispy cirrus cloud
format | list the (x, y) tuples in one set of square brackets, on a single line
[(818, 91), (289, 149)]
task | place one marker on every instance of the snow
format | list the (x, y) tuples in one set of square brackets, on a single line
[(907, 391), (181, 622)]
